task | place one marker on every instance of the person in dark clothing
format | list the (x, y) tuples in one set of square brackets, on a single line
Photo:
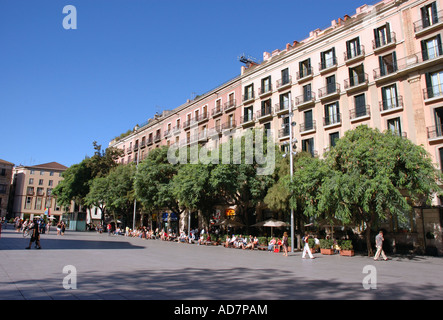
[(35, 237)]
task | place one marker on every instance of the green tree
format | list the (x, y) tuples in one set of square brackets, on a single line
[(371, 175)]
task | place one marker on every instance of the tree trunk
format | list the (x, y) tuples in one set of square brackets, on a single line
[(368, 238)]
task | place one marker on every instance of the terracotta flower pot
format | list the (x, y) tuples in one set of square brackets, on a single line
[(347, 253), (327, 251)]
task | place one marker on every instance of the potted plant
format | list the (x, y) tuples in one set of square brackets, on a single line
[(326, 246), (311, 243), (346, 248)]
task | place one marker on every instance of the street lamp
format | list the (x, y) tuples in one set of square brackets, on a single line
[(292, 142), (135, 199)]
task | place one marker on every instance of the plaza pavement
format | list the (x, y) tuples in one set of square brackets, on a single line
[(122, 268)]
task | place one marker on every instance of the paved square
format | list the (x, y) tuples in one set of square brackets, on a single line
[(122, 268)]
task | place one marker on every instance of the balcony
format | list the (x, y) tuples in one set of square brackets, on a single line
[(217, 111), (284, 83), (382, 44), (229, 125), (308, 127), (332, 120), (362, 113), (355, 55), (264, 113), (305, 75), (283, 133), (176, 129), (305, 100), (424, 26), (230, 105), (328, 65), (203, 136), (247, 120), (435, 133), (391, 105), (407, 64), (284, 107), (433, 93), (265, 91), (357, 82), (150, 141), (201, 118), (167, 133), (143, 144), (157, 138), (129, 150), (248, 98), (332, 90), (135, 147), (187, 124)]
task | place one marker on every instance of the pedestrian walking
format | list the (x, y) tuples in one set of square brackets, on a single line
[(35, 236), (379, 245), (285, 242), (306, 248)]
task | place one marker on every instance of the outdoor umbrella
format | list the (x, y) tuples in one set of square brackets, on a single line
[(271, 223)]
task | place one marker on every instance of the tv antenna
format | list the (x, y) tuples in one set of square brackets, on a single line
[(248, 60)]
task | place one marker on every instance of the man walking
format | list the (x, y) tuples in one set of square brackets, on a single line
[(379, 245), (35, 237), (306, 247)]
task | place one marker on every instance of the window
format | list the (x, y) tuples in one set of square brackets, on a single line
[(309, 123), (266, 107), (266, 85), (328, 59), (48, 191), (353, 48), (267, 127), (360, 105), (40, 182), (50, 183), (394, 126), (285, 100), (331, 85), (38, 203), (249, 92), (332, 113), (28, 203), (429, 15), (307, 145), (30, 190), (389, 96), (40, 191), (32, 171), (284, 76), (431, 48), (434, 84), (42, 172), (2, 188), (285, 126), (248, 114), (3, 172), (305, 68), (307, 93), (333, 137), (357, 75), (31, 181), (388, 64), (382, 36), (438, 115), (51, 173)]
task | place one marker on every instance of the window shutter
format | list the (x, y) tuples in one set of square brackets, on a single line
[(382, 66), (440, 50), (429, 85), (394, 61), (388, 33), (424, 17), (434, 12), (424, 50), (376, 38)]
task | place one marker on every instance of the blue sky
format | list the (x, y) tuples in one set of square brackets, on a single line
[(60, 90)]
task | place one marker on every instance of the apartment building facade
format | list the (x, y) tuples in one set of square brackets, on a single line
[(33, 187), (382, 67), (5, 183)]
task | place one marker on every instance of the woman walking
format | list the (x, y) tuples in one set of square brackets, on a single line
[(285, 242)]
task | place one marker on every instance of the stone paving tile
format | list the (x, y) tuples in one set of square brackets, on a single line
[(121, 268)]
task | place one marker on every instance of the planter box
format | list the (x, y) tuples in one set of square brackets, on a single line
[(327, 251), (347, 253)]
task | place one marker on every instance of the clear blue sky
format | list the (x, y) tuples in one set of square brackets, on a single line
[(62, 89)]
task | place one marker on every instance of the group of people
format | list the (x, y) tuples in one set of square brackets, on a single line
[(241, 242), (278, 245)]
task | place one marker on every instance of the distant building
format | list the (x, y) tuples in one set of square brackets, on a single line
[(5, 183), (32, 187)]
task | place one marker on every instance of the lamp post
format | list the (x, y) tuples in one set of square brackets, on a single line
[(292, 141), (135, 199)]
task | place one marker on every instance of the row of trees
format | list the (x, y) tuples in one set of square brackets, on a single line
[(367, 177)]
